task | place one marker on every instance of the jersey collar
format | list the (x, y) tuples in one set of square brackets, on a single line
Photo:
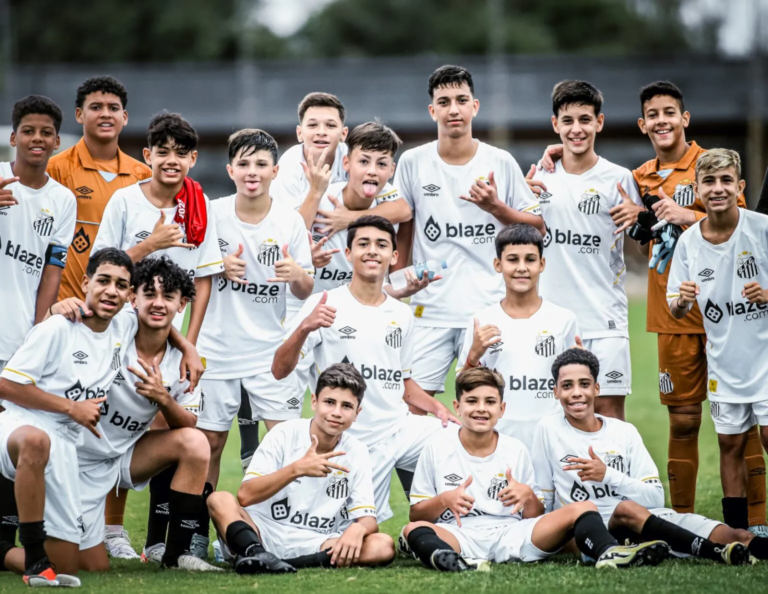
[(685, 163), (123, 166)]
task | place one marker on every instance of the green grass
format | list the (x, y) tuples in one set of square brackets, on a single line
[(563, 574)]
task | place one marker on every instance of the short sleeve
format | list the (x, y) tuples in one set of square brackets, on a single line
[(469, 333), (641, 465), (541, 466), (406, 353), (519, 195), (390, 194), (361, 502), (40, 354), (571, 331), (314, 338), (269, 457), (403, 180), (679, 272), (112, 226), (630, 187), (209, 259), (423, 485), (287, 188), (56, 254)]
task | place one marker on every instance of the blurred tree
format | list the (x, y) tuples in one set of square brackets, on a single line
[(400, 27)]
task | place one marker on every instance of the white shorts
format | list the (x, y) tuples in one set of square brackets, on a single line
[(399, 450), (271, 400), (699, 525), (97, 479), (615, 377), (63, 518), (287, 542), (732, 418), (435, 349), (502, 543)]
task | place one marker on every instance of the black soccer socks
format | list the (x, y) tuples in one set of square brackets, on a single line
[(204, 520), (679, 539), (9, 513), (736, 512), (242, 539), (424, 541), (591, 536), (159, 496), (184, 511), (32, 537)]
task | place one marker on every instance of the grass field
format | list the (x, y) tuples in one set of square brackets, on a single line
[(563, 574)]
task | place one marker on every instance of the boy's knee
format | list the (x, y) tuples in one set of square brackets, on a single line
[(218, 501), (381, 548), (35, 446), (193, 445), (732, 445)]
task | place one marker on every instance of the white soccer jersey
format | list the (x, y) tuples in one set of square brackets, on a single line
[(35, 232), (737, 331), (630, 474), (71, 361), (524, 357), (585, 260), (451, 229), (312, 503), (291, 185), (377, 341), (129, 219), (444, 465), (243, 324), (126, 415)]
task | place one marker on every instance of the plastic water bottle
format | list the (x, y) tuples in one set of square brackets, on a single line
[(217, 554), (398, 279)]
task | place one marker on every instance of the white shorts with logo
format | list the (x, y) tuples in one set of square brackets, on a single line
[(434, 350), (271, 400), (615, 377), (287, 542), (501, 543), (734, 418), (63, 518), (97, 479)]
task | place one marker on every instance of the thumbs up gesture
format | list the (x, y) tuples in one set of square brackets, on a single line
[(515, 494), (234, 267), (287, 270), (322, 316), (6, 195), (484, 193), (536, 186), (624, 215), (459, 501), (483, 338), (589, 469)]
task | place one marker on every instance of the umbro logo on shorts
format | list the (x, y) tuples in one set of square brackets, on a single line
[(707, 275), (746, 266), (614, 377), (347, 332), (431, 189)]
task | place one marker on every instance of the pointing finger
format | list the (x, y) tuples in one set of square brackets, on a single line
[(6, 182)]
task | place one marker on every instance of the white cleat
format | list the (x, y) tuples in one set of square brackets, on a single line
[(403, 547), (192, 563), (199, 546), (760, 530), (119, 545), (154, 553)]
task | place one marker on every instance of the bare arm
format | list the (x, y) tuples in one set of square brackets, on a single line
[(429, 509), (507, 215), (302, 287), (416, 396), (47, 291), (404, 245), (288, 353), (262, 488)]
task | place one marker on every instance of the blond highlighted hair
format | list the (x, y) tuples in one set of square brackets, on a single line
[(717, 160)]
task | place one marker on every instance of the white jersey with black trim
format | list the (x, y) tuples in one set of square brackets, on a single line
[(377, 341), (737, 330), (33, 233), (243, 324), (126, 415), (459, 232), (524, 357), (630, 473), (291, 185), (585, 258), (444, 465), (312, 503), (71, 361)]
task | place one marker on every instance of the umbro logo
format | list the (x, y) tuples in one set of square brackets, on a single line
[(222, 243), (347, 332), (567, 458), (80, 356), (142, 235), (706, 275), (84, 190), (431, 189), (544, 197), (496, 346), (119, 378), (293, 403), (614, 377), (452, 478)]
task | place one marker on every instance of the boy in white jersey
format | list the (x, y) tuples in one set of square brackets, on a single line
[(585, 253), (475, 498), (462, 193), (521, 335), (581, 456), (727, 254), (185, 229), (307, 475), (359, 323)]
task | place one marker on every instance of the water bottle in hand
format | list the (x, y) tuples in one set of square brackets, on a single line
[(398, 279)]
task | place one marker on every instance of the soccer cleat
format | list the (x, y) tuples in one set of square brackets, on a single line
[(263, 562), (648, 553), (403, 547), (119, 545), (761, 530), (41, 575), (192, 563), (153, 553), (245, 463), (735, 553), (67, 581), (199, 546), (451, 561)]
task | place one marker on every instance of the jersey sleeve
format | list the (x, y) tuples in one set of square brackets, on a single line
[(286, 188), (299, 246), (679, 272), (630, 187), (269, 457), (209, 259), (112, 226), (406, 353), (423, 485), (314, 338), (542, 467), (469, 333), (571, 332), (642, 485), (519, 195), (389, 194), (65, 231), (402, 182), (360, 502), (40, 354)]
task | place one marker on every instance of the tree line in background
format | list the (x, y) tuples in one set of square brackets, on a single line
[(91, 31)]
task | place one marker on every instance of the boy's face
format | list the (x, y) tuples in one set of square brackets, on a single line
[(107, 291), (663, 122), (252, 172), (371, 254), (576, 390), (170, 163), (480, 409), (335, 410), (719, 190), (156, 308), (321, 129), (102, 116), (520, 265), (453, 108), (368, 171), (35, 139), (577, 126)]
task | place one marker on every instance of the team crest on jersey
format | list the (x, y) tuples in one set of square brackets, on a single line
[(43, 224), (498, 483), (547, 237), (432, 229), (117, 360), (269, 253), (746, 266), (338, 486), (344, 512), (80, 524), (81, 242), (684, 194), (665, 383), (615, 461), (590, 202), (394, 336), (545, 344)]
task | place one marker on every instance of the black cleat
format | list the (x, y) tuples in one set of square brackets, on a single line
[(264, 562)]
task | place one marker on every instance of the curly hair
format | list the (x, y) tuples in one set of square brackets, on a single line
[(103, 84), (36, 104), (576, 356), (171, 276)]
